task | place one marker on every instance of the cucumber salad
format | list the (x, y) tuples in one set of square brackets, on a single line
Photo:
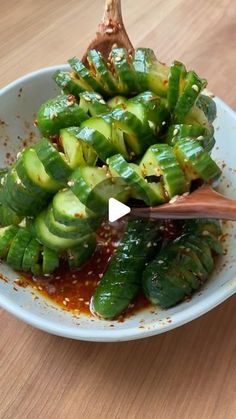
[(132, 118)]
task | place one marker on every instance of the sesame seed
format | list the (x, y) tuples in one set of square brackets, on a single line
[(67, 299), (195, 87), (205, 233), (87, 98), (74, 282), (100, 275), (71, 183), (175, 132), (163, 123), (81, 299), (118, 58), (149, 244), (40, 288), (185, 193), (200, 138), (86, 245), (64, 302), (90, 272), (173, 199), (109, 30), (86, 303), (160, 261)]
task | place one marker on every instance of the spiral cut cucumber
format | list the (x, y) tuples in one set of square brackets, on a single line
[(183, 265), (154, 132)]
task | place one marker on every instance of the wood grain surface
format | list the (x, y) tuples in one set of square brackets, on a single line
[(189, 372)]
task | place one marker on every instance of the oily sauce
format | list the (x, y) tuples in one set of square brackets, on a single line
[(73, 289)]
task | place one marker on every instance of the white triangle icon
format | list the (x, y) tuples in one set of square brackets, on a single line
[(117, 210)]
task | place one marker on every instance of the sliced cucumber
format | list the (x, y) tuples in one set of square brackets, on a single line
[(53, 161), (17, 248), (160, 161), (137, 136), (124, 71), (59, 112), (102, 74), (151, 193), (36, 173), (50, 261), (105, 126), (7, 235), (69, 210), (195, 161), (93, 103), (208, 106), (70, 84), (19, 198), (94, 139), (51, 240), (176, 77), (116, 101), (78, 255), (78, 153), (85, 75), (193, 87), (32, 255)]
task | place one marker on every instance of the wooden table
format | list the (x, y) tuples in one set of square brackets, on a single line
[(189, 372)]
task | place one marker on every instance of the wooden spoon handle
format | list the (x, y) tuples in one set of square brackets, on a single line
[(112, 12), (203, 203)]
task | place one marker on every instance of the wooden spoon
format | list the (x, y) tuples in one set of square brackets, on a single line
[(202, 203), (110, 31)]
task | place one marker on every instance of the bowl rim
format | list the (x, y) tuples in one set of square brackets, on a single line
[(188, 314)]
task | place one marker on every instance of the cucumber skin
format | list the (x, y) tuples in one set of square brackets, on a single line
[(122, 280), (57, 113), (183, 263)]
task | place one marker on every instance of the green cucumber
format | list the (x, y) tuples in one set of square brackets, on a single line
[(151, 193), (32, 255), (105, 126), (116, 101), (154, 110), (85, 75), (176, 77), (94, 187), (173, 275), (208, 106), (124, 71), (77, 153), (35, 173), (122, 280), (195, 161), (51, 240), (204, 227), (59, 112), (53, 161), (160, 161), (50, 261), (17, 248), (178, 131), (137, 136), (78, 255), (69, 210), (150, 73), (65, 231), (193, 87), (69, 83), (93, 103), (94, 139), (7, 234), (102, 74), (19, 198)]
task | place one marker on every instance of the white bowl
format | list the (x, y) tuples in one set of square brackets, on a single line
[(19, 103)]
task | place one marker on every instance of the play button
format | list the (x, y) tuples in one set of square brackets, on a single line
[(117, 210)]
